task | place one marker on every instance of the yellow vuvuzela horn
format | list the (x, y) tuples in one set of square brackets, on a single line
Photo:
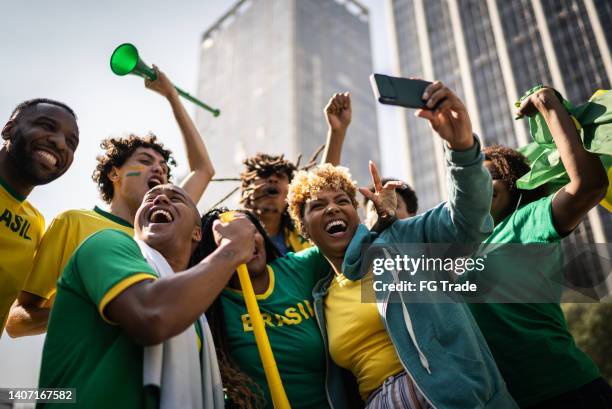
[(279, 397)]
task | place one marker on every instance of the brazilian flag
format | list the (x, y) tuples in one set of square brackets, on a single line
[(593, 120)]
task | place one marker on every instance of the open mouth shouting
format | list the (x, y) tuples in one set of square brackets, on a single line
[(336, 228), (159, 215), (271, 191), (154, 181)]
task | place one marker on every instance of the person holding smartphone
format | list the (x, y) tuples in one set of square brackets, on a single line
[(400, 355)]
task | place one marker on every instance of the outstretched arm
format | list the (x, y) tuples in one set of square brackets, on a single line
[(200, 166), (588, 181), (338, 114)]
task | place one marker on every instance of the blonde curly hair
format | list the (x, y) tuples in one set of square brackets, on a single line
[(307, 184)]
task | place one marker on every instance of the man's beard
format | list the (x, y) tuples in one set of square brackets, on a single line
[(18, 156)]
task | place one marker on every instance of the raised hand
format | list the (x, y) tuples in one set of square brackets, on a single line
[(447, 116), (161, 85), (384, 197), (537, 101), (338, 111), (238, 235)]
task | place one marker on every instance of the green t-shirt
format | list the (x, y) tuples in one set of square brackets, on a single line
[(84, 350), (531, 344), (287, 310)]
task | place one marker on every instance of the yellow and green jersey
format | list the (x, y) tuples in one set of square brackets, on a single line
[(21, 228), (66, 232), (294, 240), (287, 310), (83, 349)]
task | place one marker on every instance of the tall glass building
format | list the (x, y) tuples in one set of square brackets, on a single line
[(490, 52), (271, 66)]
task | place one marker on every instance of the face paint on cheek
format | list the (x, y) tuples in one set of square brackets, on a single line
[(134, 171)]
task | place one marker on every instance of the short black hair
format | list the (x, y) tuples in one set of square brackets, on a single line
[(33, 102), (406, 192)]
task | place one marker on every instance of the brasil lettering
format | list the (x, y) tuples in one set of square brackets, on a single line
[(16, 223), (292, 316)]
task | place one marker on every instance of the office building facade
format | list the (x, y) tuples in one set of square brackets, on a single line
[(271, 66)]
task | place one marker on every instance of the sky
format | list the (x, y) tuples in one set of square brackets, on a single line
[(61, 50)]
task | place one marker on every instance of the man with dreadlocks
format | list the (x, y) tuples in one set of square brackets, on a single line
[(128, 168), (264, 190), (266, 178)]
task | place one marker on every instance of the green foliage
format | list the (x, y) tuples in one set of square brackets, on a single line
[(591, 326)]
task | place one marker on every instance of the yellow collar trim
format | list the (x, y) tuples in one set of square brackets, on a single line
[(268, 291)]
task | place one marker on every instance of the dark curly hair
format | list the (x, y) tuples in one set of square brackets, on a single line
[(117, 152), (509, 165), (242, 391)]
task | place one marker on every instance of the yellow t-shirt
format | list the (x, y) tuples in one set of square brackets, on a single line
[(21, 227), (357, 337), (65, 234), (295, 241)]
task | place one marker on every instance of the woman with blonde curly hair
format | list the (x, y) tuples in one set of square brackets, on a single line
[(401, 355)]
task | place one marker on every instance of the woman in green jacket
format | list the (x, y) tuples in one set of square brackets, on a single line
[(401, 354)]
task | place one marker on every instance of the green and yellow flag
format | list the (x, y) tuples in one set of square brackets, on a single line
[(593, 120)]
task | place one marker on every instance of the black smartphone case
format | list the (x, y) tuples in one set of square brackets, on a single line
[(398, 91)]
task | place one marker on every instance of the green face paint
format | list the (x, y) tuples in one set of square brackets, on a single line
[(132, 174)]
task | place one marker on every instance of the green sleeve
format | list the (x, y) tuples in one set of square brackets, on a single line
[(535, 222), (309, 265), (108, 262), (465, 216)]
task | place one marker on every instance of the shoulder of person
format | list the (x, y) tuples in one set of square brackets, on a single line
[(302, 256), (108, 239), (415, 225), (73, 214), (534, 210)]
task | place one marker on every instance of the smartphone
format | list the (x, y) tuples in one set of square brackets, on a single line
[(398, 91)]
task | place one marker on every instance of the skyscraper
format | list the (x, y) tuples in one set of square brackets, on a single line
[(490, 52), (271, 66)]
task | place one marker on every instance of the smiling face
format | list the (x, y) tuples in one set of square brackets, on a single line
[(167, 216), (41, 142), (143, 170), (270, 193), (330, 220)]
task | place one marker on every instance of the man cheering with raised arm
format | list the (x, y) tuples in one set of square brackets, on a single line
[(128, 168)]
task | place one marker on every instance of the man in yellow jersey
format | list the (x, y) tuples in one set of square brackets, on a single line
[(40, 138), (129, 167)]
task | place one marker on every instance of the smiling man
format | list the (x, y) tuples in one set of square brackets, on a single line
[(111, 303), (128, 168), (40, 138)]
